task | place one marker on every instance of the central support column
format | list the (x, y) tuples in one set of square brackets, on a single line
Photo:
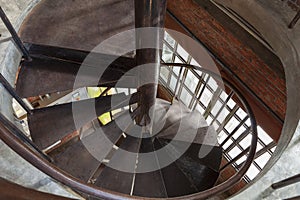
[(148, 13)]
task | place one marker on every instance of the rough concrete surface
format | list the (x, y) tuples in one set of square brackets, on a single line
[(12, 166)]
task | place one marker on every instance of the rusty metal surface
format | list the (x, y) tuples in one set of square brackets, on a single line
[(75, 159), (119, 181), (176, 183), (203, 171), (77, 24), (15, 37), (149, 184), (55, 69), (50, 124), (11, 140), (12, 191), (173, 172), (124, 63)]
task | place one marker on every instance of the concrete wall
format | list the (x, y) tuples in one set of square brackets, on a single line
[(12, 166), (16, 10)]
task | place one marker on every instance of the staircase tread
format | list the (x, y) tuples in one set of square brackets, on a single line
[(74, 55), (176, 111), (43, 70), (76, 160), (193, 128), (200, 153), (201, 170), (50, 124), (121, 181), (148, 184), (176, 183)]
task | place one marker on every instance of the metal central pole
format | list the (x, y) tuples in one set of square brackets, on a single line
[(148, 13)]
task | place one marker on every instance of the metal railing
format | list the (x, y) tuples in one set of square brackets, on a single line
[(12, 92), (44, 165), (16, 140), (251, 150)]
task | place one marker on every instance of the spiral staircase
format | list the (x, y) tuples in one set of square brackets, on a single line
[(83, 153), (189, 174)]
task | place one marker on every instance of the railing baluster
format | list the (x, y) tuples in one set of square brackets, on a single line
[(223, 106), (235, 159), (13, 93), (295, 19), (240, 138), (234, 130), (286, 182), (105, 91), (213, 101), (14, 35), (5, 39)]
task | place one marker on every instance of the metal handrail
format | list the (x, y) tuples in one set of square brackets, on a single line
[(49, 168), (10, 134), (253, 129)]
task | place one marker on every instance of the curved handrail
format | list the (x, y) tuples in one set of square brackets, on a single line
[(252, 150), (50, 169)]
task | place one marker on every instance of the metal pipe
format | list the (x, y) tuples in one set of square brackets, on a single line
[(286, 182), (293, 198), (235, 130), (105, 91), (222, 107), (235, 159), (294, 21), (148, 13), (13, 93), (14, 35)]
